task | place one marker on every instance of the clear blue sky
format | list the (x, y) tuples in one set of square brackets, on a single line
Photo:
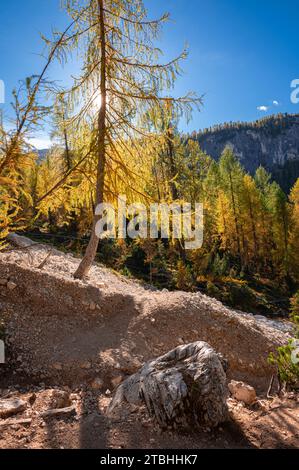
[(243, 53)]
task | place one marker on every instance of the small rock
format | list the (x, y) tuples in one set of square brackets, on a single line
[(242, 392), (57, 366), (101, 285), (97, 384), (117, 380), (92, 306), (3, 282), (74, 397), (11, 285), (11, 407), (59, 399), (86, 365), (31, 399)]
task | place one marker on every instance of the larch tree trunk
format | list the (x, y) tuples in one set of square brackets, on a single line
[(235, 217), (92, 247), (254, 232), (173, 188), (173, 168), (67, 150)]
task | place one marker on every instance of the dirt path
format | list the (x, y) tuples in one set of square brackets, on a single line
[(109, 325), (269, 424), (73, 334)]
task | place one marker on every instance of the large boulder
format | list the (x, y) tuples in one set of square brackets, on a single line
[(186, 386)]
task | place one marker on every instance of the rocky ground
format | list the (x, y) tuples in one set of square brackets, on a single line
[(81, 339), (83, 423)]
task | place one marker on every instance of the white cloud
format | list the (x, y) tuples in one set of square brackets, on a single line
[(276, 103), (40, 143), (264, 109)]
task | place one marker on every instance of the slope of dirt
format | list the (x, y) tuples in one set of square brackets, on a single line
[(86, 337), (107, 326)]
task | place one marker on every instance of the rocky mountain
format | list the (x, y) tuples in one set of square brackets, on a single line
[(272, 142), (42, 153)]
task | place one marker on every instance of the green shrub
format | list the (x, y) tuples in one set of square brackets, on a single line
[(295, 309), (213, 290), (288, 369), (184, 279), (286, 359)]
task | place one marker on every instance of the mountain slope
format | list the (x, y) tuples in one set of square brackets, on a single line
[(272, 142)]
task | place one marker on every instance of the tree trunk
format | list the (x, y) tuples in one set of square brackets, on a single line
[(92, 247), (235, 218), (254, 232), (286, 241), (173, 169), (173, 188), (67, 150)]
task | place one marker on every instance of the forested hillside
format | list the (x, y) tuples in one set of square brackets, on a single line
[(249, 257), (272, 142)]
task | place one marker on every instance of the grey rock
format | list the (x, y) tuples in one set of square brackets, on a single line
[(186, 386), (11, 406)]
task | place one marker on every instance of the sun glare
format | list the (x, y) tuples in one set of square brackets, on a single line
[(97, 102)]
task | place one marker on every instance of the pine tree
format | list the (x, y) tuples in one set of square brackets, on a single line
[(121, 72), (280, 221), (251, 213), (231, 175), (294, 232)]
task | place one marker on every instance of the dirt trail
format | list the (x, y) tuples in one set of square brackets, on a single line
[(74, 334), (269, 424), (109, 325)]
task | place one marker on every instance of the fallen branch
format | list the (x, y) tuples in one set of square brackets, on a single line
[(42, 265), (70, 410), (16, 422), (269, 396)]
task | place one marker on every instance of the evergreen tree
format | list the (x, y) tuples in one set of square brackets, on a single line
[(294, 232), (231, 175), (121, 72)]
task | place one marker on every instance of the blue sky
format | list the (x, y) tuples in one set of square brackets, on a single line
[(243, 54)]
